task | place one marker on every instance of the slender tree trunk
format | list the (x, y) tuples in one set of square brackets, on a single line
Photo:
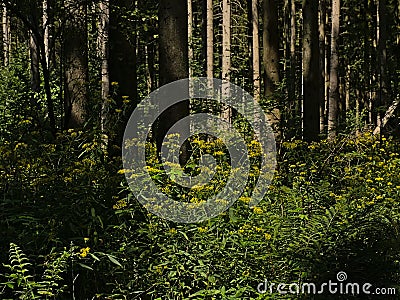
[(325, 86), (256, 51), (271, 60), (190, 36), (311, 82), (271, 47), (226, 54), (293, 111), (46, 25), (105, 75), (76, 65), (35, 62), (334, 77), (381, 59), (173, 51), (6, 36), (210, 40), (322, 17)]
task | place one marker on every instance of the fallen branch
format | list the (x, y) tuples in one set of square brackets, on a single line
[(389, 113)]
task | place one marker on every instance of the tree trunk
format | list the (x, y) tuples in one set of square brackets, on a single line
[(322, 17), (173, 52), (210, 40), (226, 54), (190, 36), (271, 47), (46, 25), (334, 78), (256, 51), (311, 82), (105, 76), (381, 59), (122, 57), (6, 36), (35, 63), (76, 65), (271, 59)]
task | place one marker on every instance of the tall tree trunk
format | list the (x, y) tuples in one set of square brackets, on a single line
[(6, 36), (46, 25), (190, 36), (173, 52), (292, 72), (105, 76), (210, 40), (311, 82), (76, 65), (334, 78), (256, 51), (122, 57), (381, 59), (322, 17), (226, 54), (271, 59), (35, 62), (271, 47)]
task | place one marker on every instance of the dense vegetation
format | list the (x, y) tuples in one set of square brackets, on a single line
[(70, 228)]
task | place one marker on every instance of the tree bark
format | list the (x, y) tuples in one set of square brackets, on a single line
[(6, 36), (173, 52), (311, 82), (34, 62), (105, 75), (210, 40), (226, 55), (46, 25), (76, 65), (334, 77), (190, 36), (271, 47), (271, 60), (122, 57), (256, 51), (322, 17), (381, 59)]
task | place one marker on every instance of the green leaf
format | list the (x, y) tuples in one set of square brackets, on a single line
[(114, 260), (85, 266)]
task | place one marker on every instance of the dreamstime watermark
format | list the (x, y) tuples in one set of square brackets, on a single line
[(140, 125), (339, 287)]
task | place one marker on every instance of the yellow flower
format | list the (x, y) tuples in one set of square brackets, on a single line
[(120, 204), (84, 252), (245, 199), (378, 178), (267, 236), (172, 230), (67, 179), (118, 110), (122, 171), (257, 210), (202, 229), (114, 83)]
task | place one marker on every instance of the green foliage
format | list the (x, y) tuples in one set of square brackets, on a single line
[(24, 286)]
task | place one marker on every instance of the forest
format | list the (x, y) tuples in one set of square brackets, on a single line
[(325, 75)]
